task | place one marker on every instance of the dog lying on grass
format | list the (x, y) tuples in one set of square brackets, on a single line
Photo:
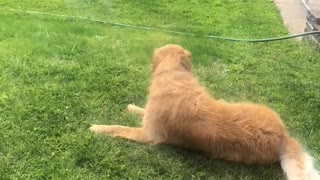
[(179, 111)]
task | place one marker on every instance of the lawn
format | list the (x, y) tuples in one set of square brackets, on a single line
[(59, 75)]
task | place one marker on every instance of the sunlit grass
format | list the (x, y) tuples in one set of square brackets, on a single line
[(59, 76)]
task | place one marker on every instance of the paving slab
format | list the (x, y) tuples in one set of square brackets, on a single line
[(294, 15)]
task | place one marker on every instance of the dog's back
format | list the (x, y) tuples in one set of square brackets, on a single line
[(191, 119)]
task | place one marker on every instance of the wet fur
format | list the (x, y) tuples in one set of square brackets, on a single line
[(179, 111)]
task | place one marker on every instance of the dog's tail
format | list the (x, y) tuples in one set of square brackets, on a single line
[(297, 165)]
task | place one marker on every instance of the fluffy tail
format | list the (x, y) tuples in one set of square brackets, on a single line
[(297, 164)]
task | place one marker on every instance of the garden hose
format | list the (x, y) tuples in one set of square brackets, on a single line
[(166, 31)]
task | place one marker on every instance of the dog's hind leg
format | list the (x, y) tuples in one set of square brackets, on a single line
[(136, 109), (131, 133)]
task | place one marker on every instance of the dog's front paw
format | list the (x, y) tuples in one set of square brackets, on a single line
[(100, 129), (131, 108), (105, 129)]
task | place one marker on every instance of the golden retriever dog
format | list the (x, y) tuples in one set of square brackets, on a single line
[(180, 112)]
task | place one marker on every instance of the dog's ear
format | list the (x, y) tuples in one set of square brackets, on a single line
[(185, 60)]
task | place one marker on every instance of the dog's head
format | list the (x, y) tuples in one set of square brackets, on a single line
[(171, 57)]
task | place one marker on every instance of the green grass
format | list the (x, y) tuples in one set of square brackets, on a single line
[(58, 76)]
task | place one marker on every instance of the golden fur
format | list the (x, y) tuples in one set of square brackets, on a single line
[(179, 111)]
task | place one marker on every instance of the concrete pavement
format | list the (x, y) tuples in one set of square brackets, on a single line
[(294, 14)]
